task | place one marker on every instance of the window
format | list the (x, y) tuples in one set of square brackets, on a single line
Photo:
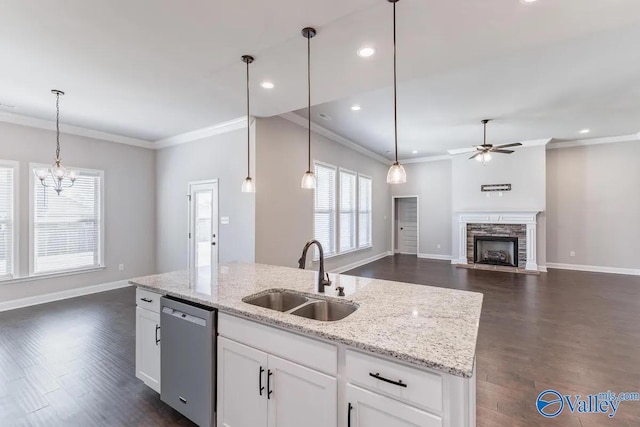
[(325, 207), (7, 219), (364, 211), (347, 211), (66, 229)]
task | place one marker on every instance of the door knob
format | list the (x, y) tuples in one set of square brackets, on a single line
[(401, 228)]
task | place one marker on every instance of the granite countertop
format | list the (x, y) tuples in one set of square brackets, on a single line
[(422, 325)]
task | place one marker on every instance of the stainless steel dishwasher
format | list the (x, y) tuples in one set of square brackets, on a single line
[(188, 359)]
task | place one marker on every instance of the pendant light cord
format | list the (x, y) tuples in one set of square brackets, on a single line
[(485, 133), (248, 128), (395, 83), (58, 126), (309, 99)]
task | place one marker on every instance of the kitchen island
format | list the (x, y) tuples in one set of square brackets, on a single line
[(404, 357)]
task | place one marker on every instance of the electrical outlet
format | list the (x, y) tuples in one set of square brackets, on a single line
[(121, 267), (572, 253)]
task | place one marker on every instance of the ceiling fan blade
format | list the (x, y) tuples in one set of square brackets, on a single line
[(503, 151), (515, 144), (475, 155)]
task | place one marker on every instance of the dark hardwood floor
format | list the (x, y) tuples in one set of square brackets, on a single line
[(576, 332), (71, 363)]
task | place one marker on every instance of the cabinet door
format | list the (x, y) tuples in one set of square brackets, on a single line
[(368, 409), (242, 385), (148, 347), (300, 396)]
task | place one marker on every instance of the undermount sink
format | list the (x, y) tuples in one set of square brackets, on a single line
[(326, 311), (303, 306), (277, 300)]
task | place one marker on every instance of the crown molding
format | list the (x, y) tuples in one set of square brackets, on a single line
[(21, 120), (426, 159), (594, 141), (195, 135), (302, 122)]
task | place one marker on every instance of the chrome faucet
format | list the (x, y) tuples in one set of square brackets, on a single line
[(322, 282)]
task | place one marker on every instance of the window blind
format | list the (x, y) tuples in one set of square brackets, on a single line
[(364, 212), (67, 228), (347, 211), (325, 208), (7, 177)]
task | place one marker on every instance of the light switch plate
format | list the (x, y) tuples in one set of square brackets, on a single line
[(224, 220)]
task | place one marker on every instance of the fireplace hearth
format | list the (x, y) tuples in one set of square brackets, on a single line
[(496, 250)]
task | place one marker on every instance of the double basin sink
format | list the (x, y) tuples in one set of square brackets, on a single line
[(301, 305)]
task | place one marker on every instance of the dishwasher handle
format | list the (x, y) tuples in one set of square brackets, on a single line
[(184, 316)]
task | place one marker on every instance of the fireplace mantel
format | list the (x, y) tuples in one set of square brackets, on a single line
[(529, 218)]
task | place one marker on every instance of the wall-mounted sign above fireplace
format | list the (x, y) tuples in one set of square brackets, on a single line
[(495, 187)]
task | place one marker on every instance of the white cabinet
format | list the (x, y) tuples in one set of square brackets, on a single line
[(300, 396), (368, 409), (241, 385), (256, 389), (148, 338)]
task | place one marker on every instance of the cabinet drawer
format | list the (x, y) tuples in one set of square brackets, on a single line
[(148, 300), (416, 386)]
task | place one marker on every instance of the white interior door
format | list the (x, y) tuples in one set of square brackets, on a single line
[(203, 224), (407, 225)]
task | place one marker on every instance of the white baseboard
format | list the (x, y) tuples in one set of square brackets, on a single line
[(542, 268), (57, 296), (594, 268), (436, 256), (360, 263)]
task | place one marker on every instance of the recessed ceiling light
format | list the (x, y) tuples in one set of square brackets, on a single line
[(366, 52), (585, 131), (356, 107), (414, 152), (528, 1), (267, 85), (324, 116)]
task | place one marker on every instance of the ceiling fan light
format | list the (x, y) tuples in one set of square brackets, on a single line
[(396, 174)]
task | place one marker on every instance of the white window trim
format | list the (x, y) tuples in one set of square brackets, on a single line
[(101, 256), (339, 211), (370, 245), (335, 212), (15, 165)]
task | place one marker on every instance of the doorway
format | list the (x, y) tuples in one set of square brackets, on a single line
[(405, 226), (203, 224)]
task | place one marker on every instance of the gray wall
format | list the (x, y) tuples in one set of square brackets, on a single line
[(221, 157), (593, 205), (129, 204), (431, 182), (284, 211)]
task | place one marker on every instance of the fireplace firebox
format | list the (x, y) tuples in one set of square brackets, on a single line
[(494, 250)]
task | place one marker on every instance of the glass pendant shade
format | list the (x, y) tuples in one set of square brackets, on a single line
[(248, 185), (308, 181), (396, 174)]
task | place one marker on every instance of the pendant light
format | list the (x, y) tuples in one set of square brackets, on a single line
[(396, 174), (309, 179), (61, 178), (248, 186)]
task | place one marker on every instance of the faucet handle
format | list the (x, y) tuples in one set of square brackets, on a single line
[(327, 281)]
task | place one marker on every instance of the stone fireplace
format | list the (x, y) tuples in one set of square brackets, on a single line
[(506, 239)]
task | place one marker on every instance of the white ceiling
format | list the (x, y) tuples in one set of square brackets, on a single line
[(152, 69)]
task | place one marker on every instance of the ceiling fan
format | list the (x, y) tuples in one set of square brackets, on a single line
[(484, 151)]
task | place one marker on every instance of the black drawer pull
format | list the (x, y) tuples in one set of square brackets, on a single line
[(349, 409), (146, 300), (269, 391), (377, 376), (157, 329), (260, 386), (182, 399)]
